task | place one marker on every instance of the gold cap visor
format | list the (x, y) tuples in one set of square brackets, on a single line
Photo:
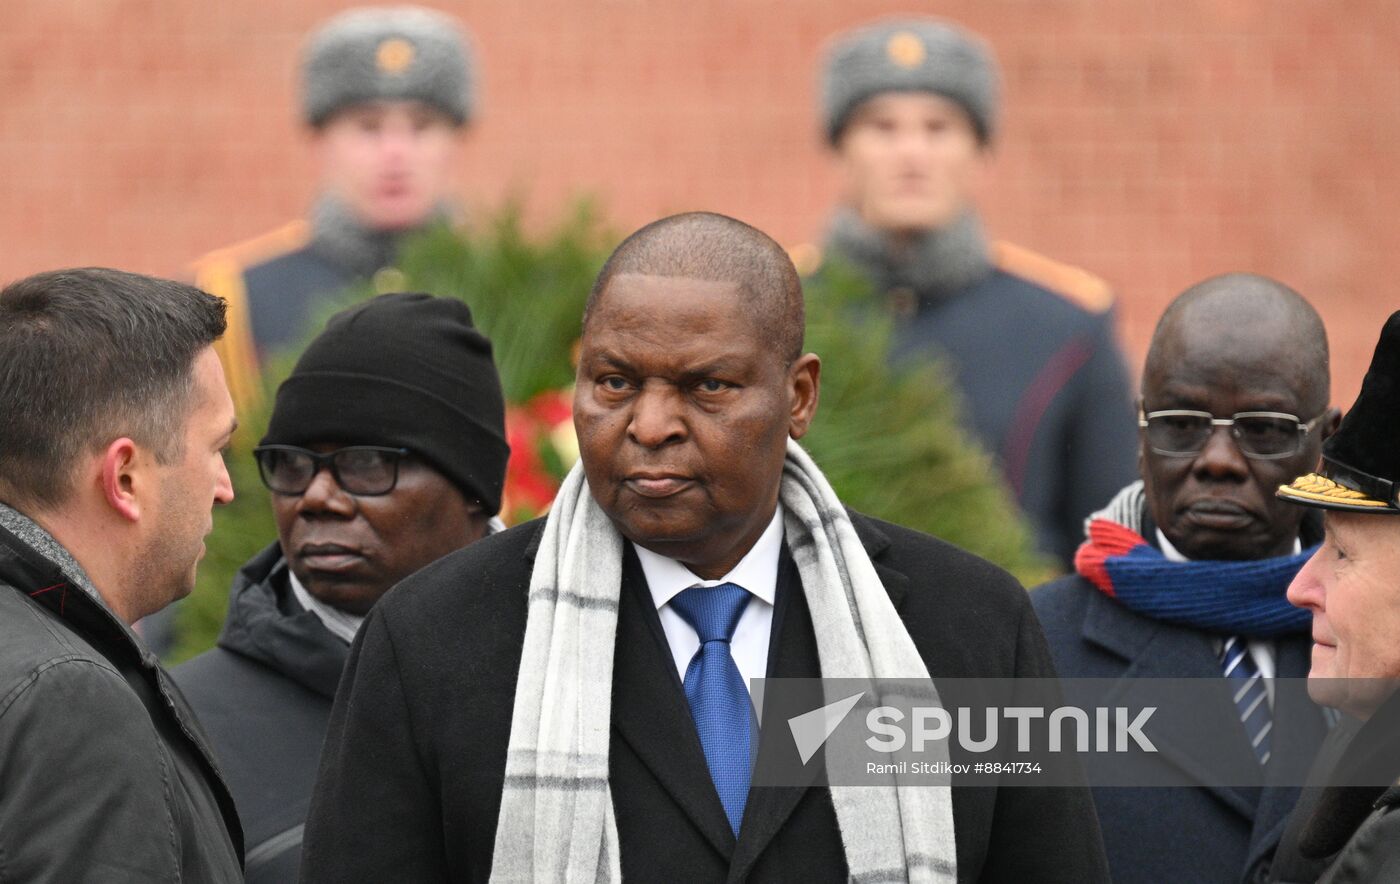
[(1320, 491)]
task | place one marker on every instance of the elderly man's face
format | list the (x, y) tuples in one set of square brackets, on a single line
[(348, 550), (1218, 503), (683, 412), (1352, 588), (912, 161)]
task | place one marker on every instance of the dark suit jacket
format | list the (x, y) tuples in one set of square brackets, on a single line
[(1210, 833), (411, 774)]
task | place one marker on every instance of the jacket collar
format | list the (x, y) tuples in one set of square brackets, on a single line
[(266, 624), (64, 589), (936, 264), (33, 558), (342, 238), (1345, 802), (876, 543)]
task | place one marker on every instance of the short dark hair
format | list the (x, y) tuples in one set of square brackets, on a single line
[(710, 246), (87, 356)]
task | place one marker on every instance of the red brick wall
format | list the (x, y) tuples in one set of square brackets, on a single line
[(1152, 142)]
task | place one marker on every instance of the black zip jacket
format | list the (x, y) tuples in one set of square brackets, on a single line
[(104, 773)]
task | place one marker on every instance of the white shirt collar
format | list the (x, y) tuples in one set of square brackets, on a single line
[(342, 625), (1174, 555), (757, 571)]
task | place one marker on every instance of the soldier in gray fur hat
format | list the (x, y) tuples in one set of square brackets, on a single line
[(910, 110), (386, 94)]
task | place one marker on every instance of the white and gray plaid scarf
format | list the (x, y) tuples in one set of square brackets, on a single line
[(557, 822)]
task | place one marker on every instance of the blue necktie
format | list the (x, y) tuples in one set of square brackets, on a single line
[(1251, 697), (715, 690)]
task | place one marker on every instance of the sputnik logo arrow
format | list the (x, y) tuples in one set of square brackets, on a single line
[(811, 729)]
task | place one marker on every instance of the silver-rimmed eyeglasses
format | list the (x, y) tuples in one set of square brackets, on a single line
[(1265, 435)]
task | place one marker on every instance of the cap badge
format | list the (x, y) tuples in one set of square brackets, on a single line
[(906, 50), (394, 55)]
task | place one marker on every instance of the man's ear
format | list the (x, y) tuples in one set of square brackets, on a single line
[(1331, 422), (1138, 411), (314, 148), (120, 480), (804, 383)]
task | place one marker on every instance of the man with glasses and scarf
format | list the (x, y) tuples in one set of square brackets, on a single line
[(1184, 574), (385, 451)]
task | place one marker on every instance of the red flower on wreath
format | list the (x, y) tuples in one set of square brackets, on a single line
[(543, 448)]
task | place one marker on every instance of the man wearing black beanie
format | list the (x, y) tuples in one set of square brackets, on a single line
[(385, 451)]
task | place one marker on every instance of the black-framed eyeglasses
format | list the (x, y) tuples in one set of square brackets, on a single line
[(1263, 435), (363, 470)]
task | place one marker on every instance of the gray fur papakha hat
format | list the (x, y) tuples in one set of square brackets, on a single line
[(909, 55), (393, 53)]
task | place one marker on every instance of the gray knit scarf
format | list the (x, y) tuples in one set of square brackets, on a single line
[(557, 821), (936, 264), (338, 235)]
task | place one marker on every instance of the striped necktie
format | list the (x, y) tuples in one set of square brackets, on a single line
[(1251, 697)]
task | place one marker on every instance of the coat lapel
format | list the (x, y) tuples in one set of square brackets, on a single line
[(651, 714), (793, 654), (1155, 650), (875, 541)]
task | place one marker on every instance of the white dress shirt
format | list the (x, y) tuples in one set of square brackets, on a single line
[(757, 572), (1261, 650)]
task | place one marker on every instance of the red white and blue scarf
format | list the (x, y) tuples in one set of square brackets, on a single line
[(1226, 597)]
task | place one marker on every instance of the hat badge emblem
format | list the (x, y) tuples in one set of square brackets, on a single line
[(394, 55), (906, 49)]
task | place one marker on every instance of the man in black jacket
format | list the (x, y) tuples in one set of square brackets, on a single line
[(568, 700), (386, 450), (1348, 828), (115, 417)]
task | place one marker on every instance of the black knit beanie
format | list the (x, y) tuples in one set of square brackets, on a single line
[(408, 371)]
